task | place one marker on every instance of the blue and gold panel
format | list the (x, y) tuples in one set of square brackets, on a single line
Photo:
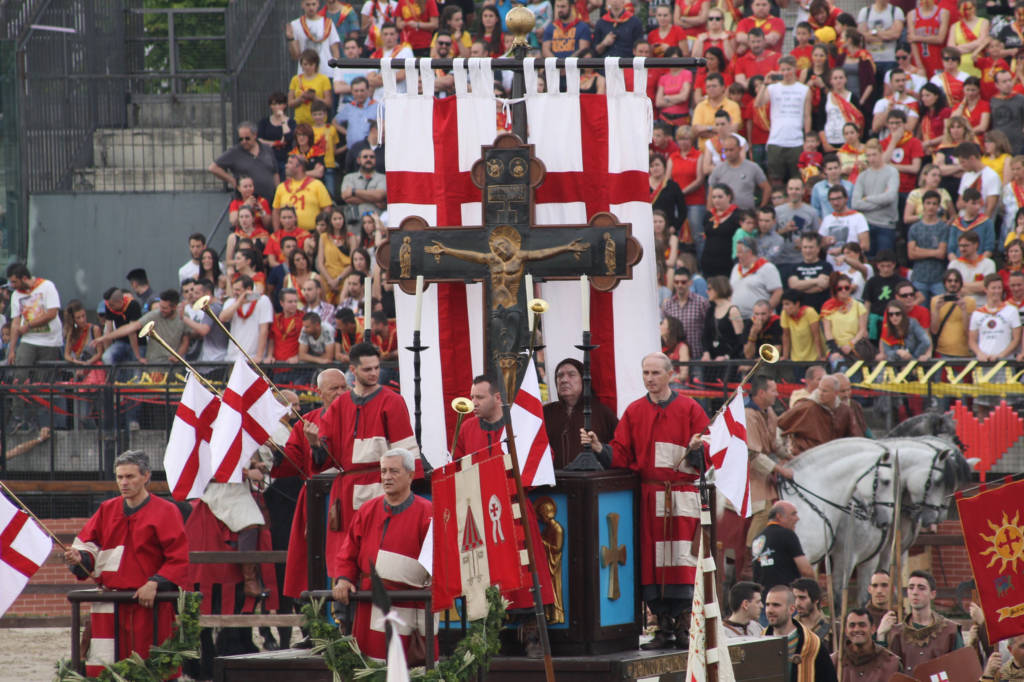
[(553, 518), (616, 558)]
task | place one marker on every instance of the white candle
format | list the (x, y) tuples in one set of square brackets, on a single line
[(585, 302), (367, 302), (528, 290), (419, 302)]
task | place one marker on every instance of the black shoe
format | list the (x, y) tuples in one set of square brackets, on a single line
[(682, 631), (269, 643), (663, 636)]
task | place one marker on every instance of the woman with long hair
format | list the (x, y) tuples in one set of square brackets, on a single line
[(815, 77), (844, 322), (362, 263), (722, 336), (245, 228), (665, 195), (840, 109), (958, 130), (933, 114), (209, 269), (929, 179), (1014, 262), (332, 259), (277, 129), (902, 338), (715, 62), (79, 336), (685, 169), (853, 154), (246, 196), (859, 67), (996, 152), (453, 20), (490, 33), (299, 272), (673, 344), (1016, 230), (720, 225), (311, 153), (969, 36), (249, 263)]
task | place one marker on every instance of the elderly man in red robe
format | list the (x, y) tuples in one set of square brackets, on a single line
[(298, 461), (133, 542), (659, 437), (386, 533), (482, 435), (357, 429)]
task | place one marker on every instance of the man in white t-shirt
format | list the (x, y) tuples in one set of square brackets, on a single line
[(842, 226), (190, 270), (899, 99), (881, 24), (972, 266), (250, 315), (994, 333), (37, 335), (978, 175), (308, 33), (790, 113), (753, 279)]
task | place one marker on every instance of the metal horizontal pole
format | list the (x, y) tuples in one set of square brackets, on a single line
[(517, 64), (239, 557), (367, 595), (114, 596)]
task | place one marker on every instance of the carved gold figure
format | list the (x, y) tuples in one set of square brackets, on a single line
[(609, 254), (553, 539), (405, 257)]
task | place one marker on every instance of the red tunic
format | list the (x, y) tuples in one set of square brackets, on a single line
[(357, 431), (750, 65), (296, 571), (125, 549), (652, 439), (285, 333), (931, 55), (691, 10), (477, 437), (390, 538)]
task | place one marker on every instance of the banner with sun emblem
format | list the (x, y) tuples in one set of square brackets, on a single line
[(993, 530)]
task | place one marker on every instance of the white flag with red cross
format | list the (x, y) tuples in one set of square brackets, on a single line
[(24, 547), (247, 414), (705, 609), (187, 458), (729, 454)]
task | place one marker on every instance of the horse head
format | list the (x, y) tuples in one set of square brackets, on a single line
[(931, 469)]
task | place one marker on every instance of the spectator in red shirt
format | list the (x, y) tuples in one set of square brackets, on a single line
[(692, 15), (667, 34), (904, 152), (661, 140), (283, 345), (418, 19), (758, 60), (773, 28)]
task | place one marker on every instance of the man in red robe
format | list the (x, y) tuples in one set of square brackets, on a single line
[(134, 542), (655, 437), (298, 462), (387, 532), (355, 431), (482, 435)]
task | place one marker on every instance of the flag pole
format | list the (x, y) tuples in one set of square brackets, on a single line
[(21, 505), (708, 578), (204, 305), (896, 549), (148, 332)]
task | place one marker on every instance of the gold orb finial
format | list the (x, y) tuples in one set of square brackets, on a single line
[(520, 21)]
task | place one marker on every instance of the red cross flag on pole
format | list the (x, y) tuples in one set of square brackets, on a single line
[(187, 457), (248, 409), (729, 454), (24, 547)]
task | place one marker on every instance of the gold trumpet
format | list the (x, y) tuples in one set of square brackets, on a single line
[(203, 303), (767, 353), (462, 407), (538, 305), (148, 332)]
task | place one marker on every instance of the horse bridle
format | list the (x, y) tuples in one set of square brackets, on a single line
[(855, 508), (917, 509)]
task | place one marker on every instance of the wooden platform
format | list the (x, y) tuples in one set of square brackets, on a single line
[(754, 660)]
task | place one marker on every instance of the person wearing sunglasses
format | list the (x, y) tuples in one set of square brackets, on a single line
[(844, 321), (915, 75), (903, 338), (249, 157), (951, 316)]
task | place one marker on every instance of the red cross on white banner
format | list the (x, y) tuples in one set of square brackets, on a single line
[(246, 406), (729, 454), (24, 547), (187, 456)]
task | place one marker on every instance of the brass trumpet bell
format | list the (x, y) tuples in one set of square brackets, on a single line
[(201, 303), (538, 305), (768, 353), (462, 405), (144, 332)]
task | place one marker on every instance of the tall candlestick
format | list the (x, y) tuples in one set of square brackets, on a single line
[(419, 302), (585, 302), (367, 301), (528, 290)]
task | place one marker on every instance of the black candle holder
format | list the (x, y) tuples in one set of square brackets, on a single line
[(586, 460), (417, 396)]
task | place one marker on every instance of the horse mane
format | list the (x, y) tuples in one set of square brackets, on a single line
[(828, 451)]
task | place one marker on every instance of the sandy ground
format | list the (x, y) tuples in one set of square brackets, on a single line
[(30, 654)]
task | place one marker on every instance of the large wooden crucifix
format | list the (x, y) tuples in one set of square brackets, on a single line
[(507, 247)]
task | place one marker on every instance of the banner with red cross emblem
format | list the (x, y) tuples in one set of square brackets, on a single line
[(478, 534), (24, 547), (993, 528)]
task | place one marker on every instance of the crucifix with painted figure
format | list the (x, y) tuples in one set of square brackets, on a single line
[(506, 248)]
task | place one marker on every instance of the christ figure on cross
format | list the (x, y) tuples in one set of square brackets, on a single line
[(507, 263)]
